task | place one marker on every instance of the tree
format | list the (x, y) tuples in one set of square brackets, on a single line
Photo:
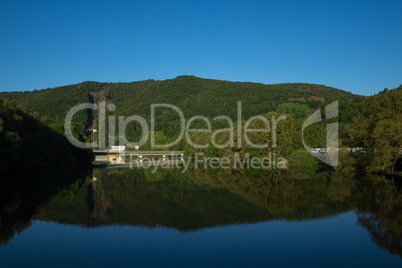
[(299, 110), (378, 129)]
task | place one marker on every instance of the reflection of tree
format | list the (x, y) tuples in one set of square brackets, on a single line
[(30, 193), (197, 199), (339, 189), (384, 236), (381, 213)]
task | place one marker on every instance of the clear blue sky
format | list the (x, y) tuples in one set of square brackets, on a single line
[(351, 45)]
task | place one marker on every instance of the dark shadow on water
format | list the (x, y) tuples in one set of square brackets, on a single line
[(27, 193), (90, 199)]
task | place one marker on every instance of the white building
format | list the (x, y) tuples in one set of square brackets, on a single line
[(117, 148)]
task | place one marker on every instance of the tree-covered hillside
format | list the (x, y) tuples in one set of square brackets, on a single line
[(378, 128), (29, 142), (55, 103), (193, 95), (207, 97)]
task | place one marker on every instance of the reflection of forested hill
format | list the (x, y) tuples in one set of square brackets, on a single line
[(382, 216), (27, 193), (192, 201), (199, 199)]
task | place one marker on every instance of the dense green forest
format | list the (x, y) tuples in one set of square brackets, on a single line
[(378, 128), (37, 163), (192, 95), (32, 140), (29, 142), (54, 103), (373, 123)]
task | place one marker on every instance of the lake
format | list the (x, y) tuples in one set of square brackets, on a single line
[(126, 217)]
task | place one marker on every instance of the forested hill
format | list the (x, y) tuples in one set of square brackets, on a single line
[(197, 96), (191, 94), (26, 142), (54, 103)]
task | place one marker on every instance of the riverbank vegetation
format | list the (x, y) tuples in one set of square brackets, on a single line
[(375, 128), (28, 142), (192, 95), (372, 123)]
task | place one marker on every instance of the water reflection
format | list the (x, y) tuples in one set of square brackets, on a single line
[(382, 215), (28, 193), (200, 199)]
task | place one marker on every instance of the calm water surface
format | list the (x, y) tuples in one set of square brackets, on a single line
[(133, 217)]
